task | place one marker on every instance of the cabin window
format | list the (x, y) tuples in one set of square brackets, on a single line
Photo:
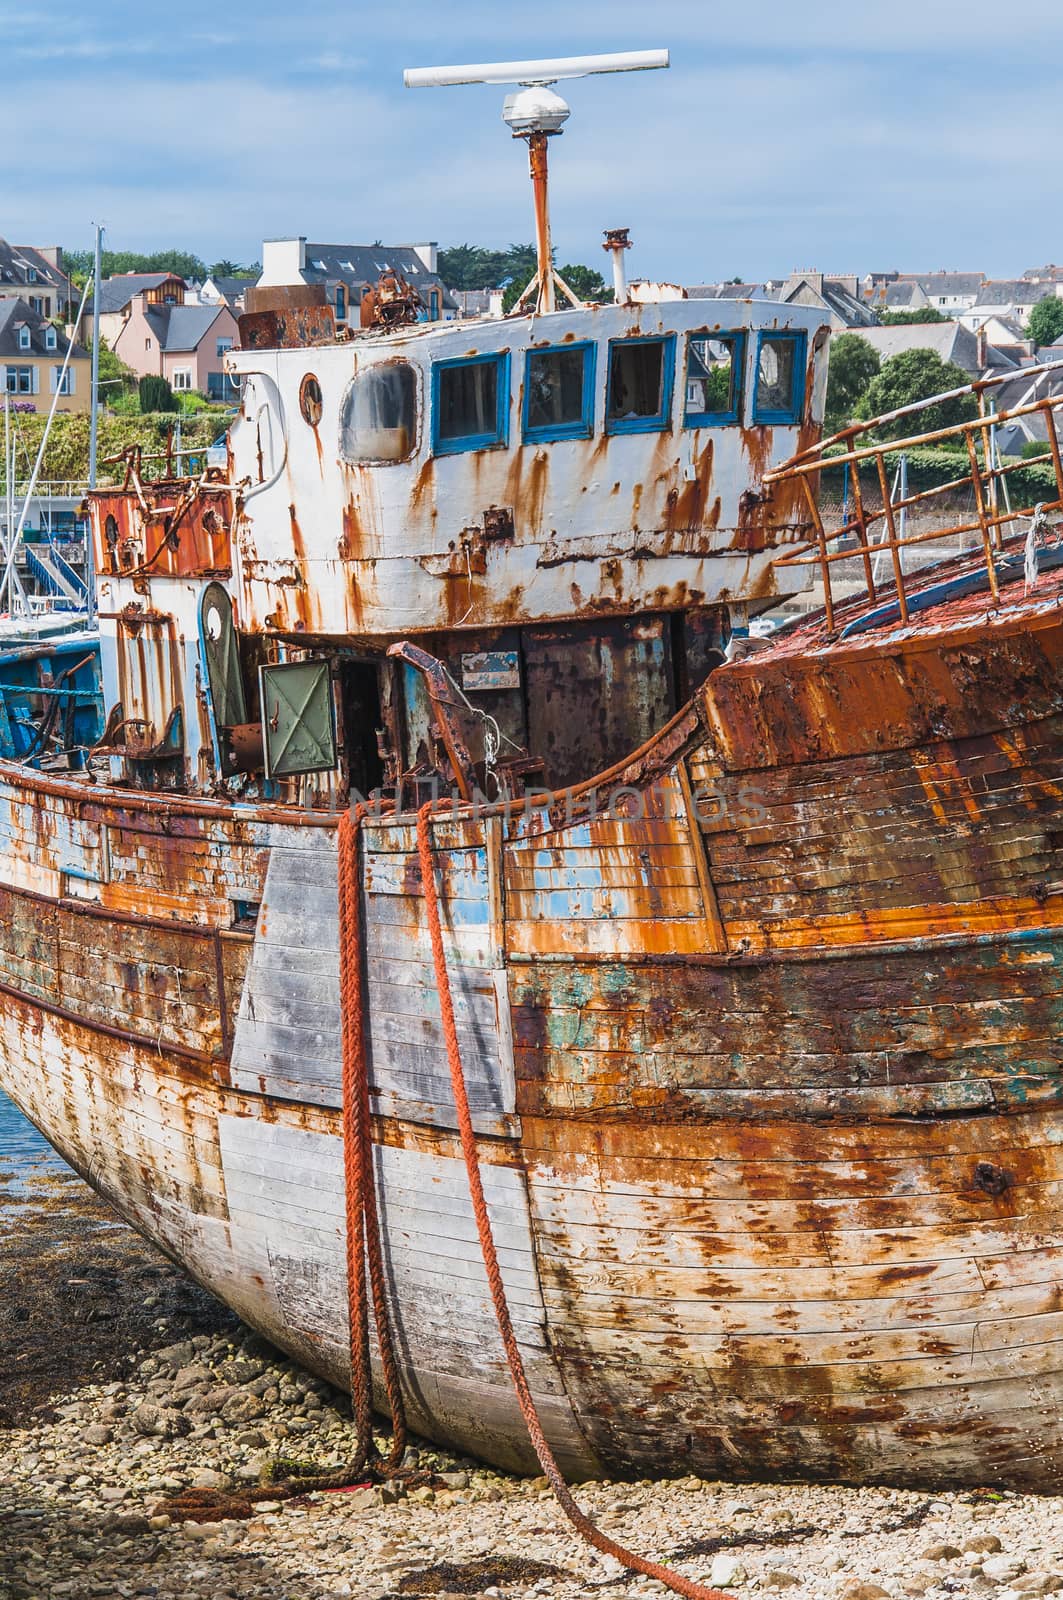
[(378, 417), (780, 383), (713, 393), (640, 385), (470, 404), (310, 401), (559, 393)]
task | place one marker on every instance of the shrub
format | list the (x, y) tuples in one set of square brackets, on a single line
[(156, 395)]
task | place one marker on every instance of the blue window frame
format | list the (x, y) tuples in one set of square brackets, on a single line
[(470, 404), (779, 385), (638, 395), (714, 380), (559, 392)]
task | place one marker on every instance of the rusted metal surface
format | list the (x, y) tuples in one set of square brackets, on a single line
[(759, 1022), (172, 529), (616, 523), (982, 484)]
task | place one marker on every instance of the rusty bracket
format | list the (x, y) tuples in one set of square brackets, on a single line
[(445, 706)]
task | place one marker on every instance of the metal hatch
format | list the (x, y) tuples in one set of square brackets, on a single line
[(298, 718)]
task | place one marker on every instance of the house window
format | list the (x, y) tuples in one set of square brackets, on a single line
[(378, 415), (23, 338), (20, 380), (222, 346), (470, 404), (37, 304), (435, 305), (341, 303), (50, 338), (31, 274), (640, 385), (780, 383), (147, 344), (559, 392), (182, 379), (714, 379), (62, 382)]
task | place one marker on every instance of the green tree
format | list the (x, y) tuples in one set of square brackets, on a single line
[(912, 376), (907, 319), (588, 283), (1046, 321), (115, 377), (853, 364), (156, 395), (78, 263)]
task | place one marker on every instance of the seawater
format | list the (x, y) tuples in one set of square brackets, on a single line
[(21, 1147)]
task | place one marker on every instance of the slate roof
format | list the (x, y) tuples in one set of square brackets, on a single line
[(116, 293), (16, 261), (180, 328), (16, 313), (1011, 291), (231, 289), (945, 283), (950, 340), (360, 264), (906, 296)]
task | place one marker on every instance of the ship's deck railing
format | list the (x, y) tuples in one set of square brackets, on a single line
[(987, 476)]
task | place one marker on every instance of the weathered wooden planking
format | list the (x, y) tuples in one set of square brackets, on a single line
[(432, 1262), (978, 1026), (288, 1030)]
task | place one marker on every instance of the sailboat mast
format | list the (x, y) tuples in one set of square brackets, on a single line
[(90, 583)]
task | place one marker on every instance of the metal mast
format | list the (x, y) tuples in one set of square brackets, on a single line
[(90, 582), (536, 113)]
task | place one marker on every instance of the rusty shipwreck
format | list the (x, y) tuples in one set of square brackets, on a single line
[(756, 962)]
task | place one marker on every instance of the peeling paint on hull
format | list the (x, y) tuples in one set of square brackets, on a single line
[(766, 1079)]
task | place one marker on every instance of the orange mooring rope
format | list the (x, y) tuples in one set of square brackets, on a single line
[(363, 1221), (580, 1521)]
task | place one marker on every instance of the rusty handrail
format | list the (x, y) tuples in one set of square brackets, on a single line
[(988, 522)]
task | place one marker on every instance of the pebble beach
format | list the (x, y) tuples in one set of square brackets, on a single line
[(137, 1418)]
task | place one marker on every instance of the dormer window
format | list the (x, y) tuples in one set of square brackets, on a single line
[(23, 338), (50, 338), (31, 274)]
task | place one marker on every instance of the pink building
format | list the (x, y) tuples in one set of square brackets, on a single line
[(144, 318)]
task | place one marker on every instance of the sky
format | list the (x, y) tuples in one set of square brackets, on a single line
[(848, 137)]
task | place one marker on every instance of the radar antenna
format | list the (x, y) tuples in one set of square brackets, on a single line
[(536, 113)]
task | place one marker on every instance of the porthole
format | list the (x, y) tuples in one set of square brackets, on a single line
[(310, 402)]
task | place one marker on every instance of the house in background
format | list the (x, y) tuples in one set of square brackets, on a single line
[(1013, 298), (148, 325), (220, 291), (475, 304), (347, 270), (838, 297), (37, 277), (32, 352), (118, 296), (950, 340)]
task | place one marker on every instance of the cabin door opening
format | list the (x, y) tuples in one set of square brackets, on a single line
[(361, 719)]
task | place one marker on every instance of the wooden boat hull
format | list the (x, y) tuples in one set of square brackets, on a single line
[(763, 1046)]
